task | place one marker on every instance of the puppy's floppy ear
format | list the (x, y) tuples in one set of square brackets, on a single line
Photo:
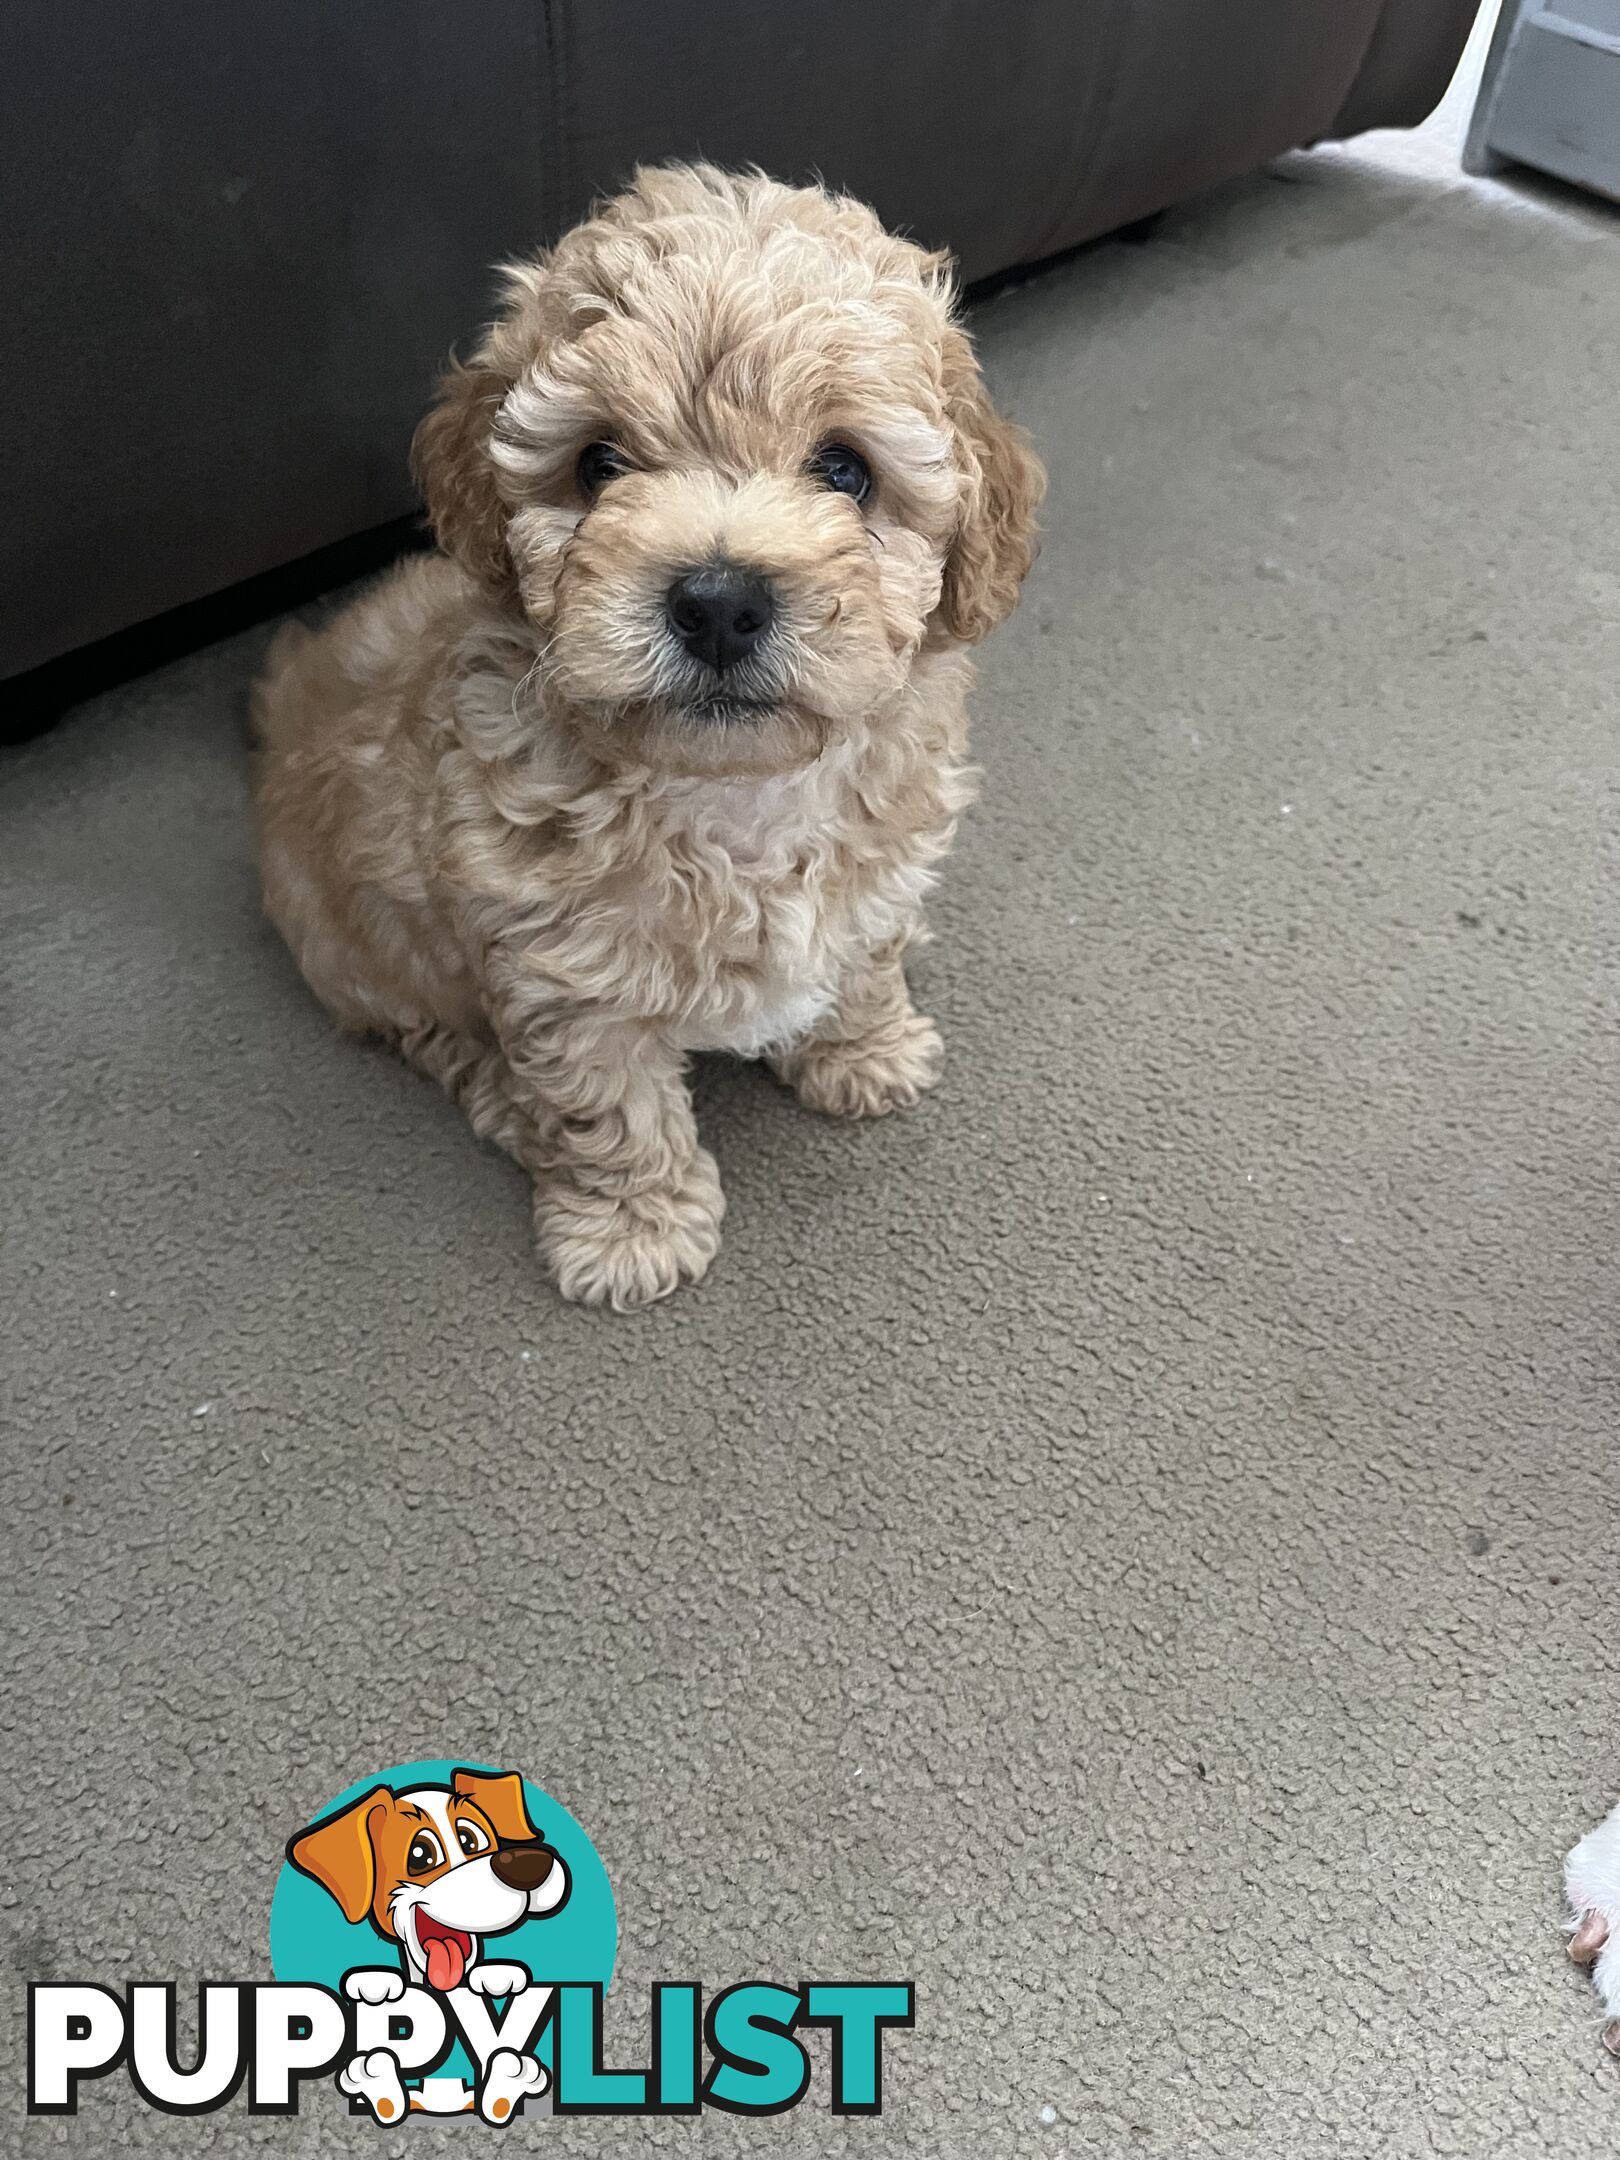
[(450, 458), (500, 1794), (1004, 482), (338, 1852)]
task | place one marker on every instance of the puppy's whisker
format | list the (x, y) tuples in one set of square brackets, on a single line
[(527, 681)]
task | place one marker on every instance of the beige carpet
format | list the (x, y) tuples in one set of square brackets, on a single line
[(1131, 1547)]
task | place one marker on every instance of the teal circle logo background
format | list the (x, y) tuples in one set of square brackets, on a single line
[(311, 1941)]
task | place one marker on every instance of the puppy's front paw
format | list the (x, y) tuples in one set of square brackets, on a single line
[(374, 1984), (633, 1250), (887, 1070), (1592, 1884), (495, 1980)]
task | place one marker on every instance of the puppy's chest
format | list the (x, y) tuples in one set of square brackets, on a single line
[(753, 904)]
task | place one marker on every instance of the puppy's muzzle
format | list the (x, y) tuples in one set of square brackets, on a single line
[(522, 1867), (720, 614)]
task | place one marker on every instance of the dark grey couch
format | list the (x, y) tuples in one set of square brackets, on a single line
[(240, 238)]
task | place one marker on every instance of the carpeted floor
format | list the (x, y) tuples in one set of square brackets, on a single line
[(1131, 1546)]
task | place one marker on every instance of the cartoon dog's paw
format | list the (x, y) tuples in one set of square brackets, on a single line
[(632, 1249), (1592, 1885), (492, 1979), (887, 1070), (374, 2078), (374, 1986), (510, 2080)]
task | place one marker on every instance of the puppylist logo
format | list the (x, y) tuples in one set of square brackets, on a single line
[(442, 1937)]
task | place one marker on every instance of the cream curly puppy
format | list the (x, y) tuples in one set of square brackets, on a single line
[(661, 752)]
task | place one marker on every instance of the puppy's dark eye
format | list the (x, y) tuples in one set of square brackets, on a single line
[(425, 1854), (843, 470), (599, 462)]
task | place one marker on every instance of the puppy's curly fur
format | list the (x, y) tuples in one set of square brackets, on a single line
[(511, 823)]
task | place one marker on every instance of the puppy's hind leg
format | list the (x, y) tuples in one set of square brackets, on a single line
[(874, 1052), (477, 1078), (374, 2080)]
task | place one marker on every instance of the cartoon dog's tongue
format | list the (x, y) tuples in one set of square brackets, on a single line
[(446, 1954)]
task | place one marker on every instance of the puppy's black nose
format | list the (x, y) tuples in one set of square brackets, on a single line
[(720, 614)]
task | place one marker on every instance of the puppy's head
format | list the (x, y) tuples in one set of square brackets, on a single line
[(729, 449), (437, 1868)]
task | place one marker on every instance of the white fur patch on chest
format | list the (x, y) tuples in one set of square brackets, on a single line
[(762, 825), (776, 838), (751, 1027)]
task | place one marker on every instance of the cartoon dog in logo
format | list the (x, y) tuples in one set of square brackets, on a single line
[(437, 1870)]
